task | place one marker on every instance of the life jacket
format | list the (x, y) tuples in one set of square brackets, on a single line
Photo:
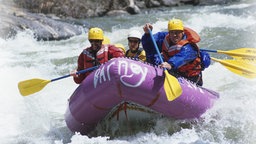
[(139, 55), (91, 60), (128, 53), (192, 68)]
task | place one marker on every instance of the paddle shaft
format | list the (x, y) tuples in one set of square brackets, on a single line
[(223, 52), (215, 51), (242, 52), (171, 85), (31, 86), (156, 47), (79, 72)]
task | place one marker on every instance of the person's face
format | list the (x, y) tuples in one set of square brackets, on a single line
[(133, 44), (95, 44), (175, 36)]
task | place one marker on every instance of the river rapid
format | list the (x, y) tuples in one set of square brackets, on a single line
[(39, 118)]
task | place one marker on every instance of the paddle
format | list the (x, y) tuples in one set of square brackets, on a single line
[(244, 54), (241, 68), (171, 84), (31, 86)]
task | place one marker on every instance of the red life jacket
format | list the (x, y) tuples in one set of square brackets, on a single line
[(86, 59), (192, 68), (101, 56)]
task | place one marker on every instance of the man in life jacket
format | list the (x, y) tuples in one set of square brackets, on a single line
[(94, 55), (178, 48), (134, 50)]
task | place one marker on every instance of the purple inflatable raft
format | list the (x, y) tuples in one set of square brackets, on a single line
[(122, 80)]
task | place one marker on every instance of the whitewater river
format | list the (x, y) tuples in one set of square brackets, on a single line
[(39, 118)]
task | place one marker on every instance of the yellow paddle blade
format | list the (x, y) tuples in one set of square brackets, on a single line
[(31, 86), (249, 53), (239, 67), (246, 59), (171, 86), (241, 73)]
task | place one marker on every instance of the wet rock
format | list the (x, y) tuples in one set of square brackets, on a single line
[(46, 28), (133, 9), (14, 19), (47, 19)]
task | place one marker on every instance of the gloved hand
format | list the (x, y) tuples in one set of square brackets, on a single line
[(157, 60), (205, 59)]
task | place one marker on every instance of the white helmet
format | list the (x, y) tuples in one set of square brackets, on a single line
[(134, 34)]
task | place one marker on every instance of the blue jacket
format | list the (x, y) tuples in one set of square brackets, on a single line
[(186, 54)]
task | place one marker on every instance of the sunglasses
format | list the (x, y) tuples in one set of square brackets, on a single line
[(95, 41), (133, 41), (175, 32)]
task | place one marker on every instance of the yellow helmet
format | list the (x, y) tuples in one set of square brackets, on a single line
[(95, 33), (175, 24), (118, 45), (106, 40)]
